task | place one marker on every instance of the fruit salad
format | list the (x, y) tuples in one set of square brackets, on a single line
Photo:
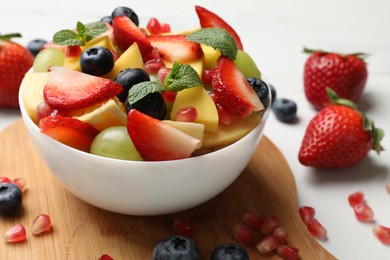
[(117, 89)]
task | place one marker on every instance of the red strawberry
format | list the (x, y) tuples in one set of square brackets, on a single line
[(69, 131), (176, 48), (345, 74), (209, 19), (232, 90), (156, 141), (339, 136), (15, 61), (68, 89), (126, 32)]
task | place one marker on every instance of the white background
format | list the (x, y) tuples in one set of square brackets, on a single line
[(274, 33)]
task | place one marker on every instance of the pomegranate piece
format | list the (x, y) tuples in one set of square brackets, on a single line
[(165, 28), (316, 229), (253, 220), (44, 110), (207, 76), (183, 227), (41, 224), (5, 179), (382, 233), (186, 114), (15, 234), (21, 183), (163, 72), (105, 257), (267, 245), (307, 214), (281, 233), (269, 225), (356, 198), (287, 252), (244, 234), (363, 212), (153, 66), (154, 26)]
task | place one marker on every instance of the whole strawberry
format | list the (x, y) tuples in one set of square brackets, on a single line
[(345, 74), (339, 136), (15, 61)]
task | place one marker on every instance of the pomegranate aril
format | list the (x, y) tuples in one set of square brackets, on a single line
[(21, 183), (153, 66), (356, 198), (105, 257), (186, 114), (165, 27), (154, 26), (267, 245), (41, 224), (207, 76), (306, 213), (43, 110), (287, 252), (183, 227), (252, 219), (16, 233), (382, 233), (162, 73), (5, 179), (363, 212), (317, 230), (269, 225), (169, 96), (73, 51), (244, 234), (281, 233)]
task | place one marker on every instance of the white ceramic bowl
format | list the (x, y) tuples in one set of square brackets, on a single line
[(143, 188)]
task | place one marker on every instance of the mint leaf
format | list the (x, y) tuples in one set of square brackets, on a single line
[(182, 76), (216, 38), (141, 90), (84, 34)]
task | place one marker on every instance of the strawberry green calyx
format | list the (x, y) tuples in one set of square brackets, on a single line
[(360, 55), (7, 37), (83, 34), (368, 124)]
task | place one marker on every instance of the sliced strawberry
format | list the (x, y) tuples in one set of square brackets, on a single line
[(176, 48), (68, 89), (126, 33), (69, 131), (156, 141), (209, 19), (232, 90)]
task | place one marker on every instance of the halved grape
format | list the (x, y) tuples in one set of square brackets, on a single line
[(246, 65), (114, 142), (48, 57)]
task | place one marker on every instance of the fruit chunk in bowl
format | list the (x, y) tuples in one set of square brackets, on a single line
[(197, 143)]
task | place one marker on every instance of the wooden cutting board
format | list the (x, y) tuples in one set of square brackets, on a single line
[(81, 231)]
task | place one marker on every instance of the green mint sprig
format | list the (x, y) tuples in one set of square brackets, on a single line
[(182, 76), (216, 38), (85, 33), (141, 90)]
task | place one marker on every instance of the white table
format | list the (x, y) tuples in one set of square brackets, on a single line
[(274, 33)]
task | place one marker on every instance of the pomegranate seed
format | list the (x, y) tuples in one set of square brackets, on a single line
[(162, 73), (244, 234), (106, 257), (269, 225), (186, 114), (287, 252), (224, 116), (356, 198), (382, 233), (16, 233), (165, 28), (388, 187), (154, 26), (316, 229), (5, 179), (41, 224), (169, 96), (363, 212), (73, 51), (253, 220), (43, 110), (153, 66), (21, 183), (207, 76), (307, 214), (115, 55), (281, 234), (267, 245), (155, 54), (183, 227)]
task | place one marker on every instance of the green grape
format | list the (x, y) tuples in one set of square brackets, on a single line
[(246, 65), (48, 57), (114, 142)]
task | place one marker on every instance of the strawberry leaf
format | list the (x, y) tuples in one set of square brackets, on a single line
[(7, 37), (141, 90), (182, 76)]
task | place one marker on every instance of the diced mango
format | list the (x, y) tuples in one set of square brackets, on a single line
[(210, 56), (103, 40), (72, 63), (199, 98)]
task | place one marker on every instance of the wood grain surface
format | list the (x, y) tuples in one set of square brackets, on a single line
[(81, 231)]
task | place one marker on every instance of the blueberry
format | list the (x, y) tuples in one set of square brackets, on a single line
[(126, 11), (106, 19), (96, 61), (261, 89), (152, 105), (128, 78), (229, 252), (176, 247), (10, 198), (35, 46), (284, 109)]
